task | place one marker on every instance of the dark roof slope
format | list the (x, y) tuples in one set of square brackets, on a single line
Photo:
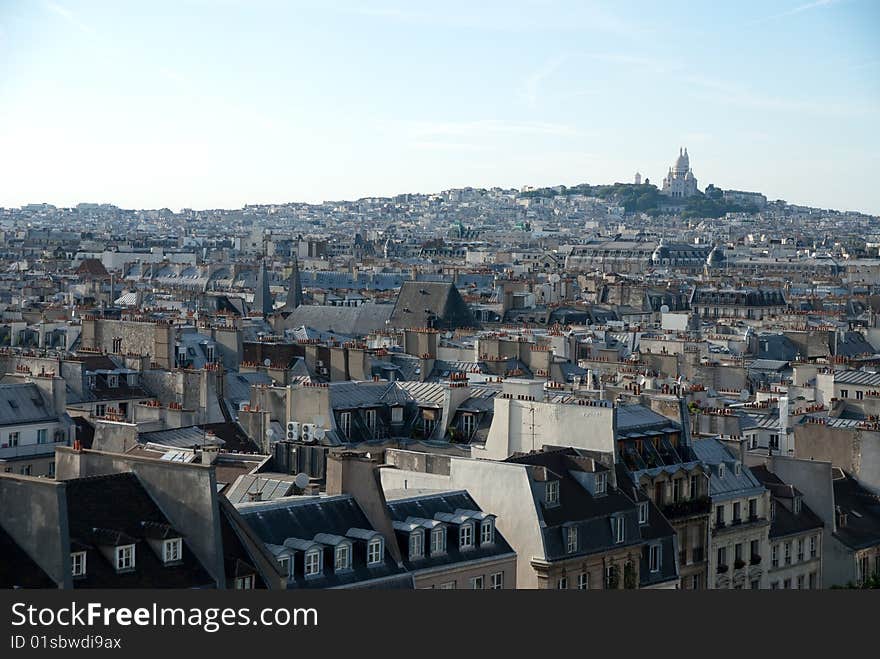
[(431, 304), (862, 509)]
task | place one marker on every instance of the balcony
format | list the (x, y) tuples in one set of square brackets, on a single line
[(29, 450), (739, 564), (700, 506), (756, 560), (722, 569)]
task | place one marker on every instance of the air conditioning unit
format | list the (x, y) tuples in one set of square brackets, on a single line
[(293, 429), (308, 432)]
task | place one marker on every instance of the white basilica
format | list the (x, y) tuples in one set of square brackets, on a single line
[(680, 181)]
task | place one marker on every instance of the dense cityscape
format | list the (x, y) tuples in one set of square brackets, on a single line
[(606, 386)]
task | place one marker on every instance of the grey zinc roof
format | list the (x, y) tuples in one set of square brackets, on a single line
[(351, 321), (179, 437), (269, 488), (712, 452), (23, 403), (857, 377), (631, 417)]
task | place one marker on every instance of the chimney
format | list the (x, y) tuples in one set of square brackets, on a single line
[(351, 472)]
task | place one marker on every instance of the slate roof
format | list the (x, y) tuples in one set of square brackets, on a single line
[(427, 507), (785, 522), (431, 304), (713, 453), (304, 518), (106, 509), (18, 569), (862, 509), (24, 403), (349, 321)]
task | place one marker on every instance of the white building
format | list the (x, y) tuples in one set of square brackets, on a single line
[(680, 182)]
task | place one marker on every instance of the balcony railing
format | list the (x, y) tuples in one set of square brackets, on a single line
[(722, 569), (27, 450), (739, 564), (700, 506), (756, 560)]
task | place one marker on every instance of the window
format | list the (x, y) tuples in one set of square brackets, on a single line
[(449, 585), (654, 558), (371, 421), (676, 490), (416, 545), (719, 515), (721, 470), (124, 558), (738, 552), (343, 557), (813, 546), (13, 439), (438, 540), (497, 581), (468, 423), (737, 469), (562, 583), (245, 583), (814, 580), (695, 487), (52, 469), (697, 582), (313, 563), (345, 424), (753, 508), (786, 584), (611, 577), (800, 549), (466, 536), (772, 509), (755, 584), (284, 564), (844, 393), (722, 556), (374, 552), (800, 582), (78, 564), (643, 512), (552, 492), (117, 345), (859, 394), (787, 553), (572, 540), (797, 505), (42, 436), (863, 569), (774, 555), (774, 585), (754, 550), (397, 414), (617, 525), (774, 441), (100, 409), (477, 583), (583, 581), (487, 532), (601, 481), (736, 512), (172, 550)]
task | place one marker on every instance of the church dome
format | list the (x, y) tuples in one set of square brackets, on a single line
[(682, 164)]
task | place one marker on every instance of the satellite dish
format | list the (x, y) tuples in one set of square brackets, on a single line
[(267, 362), (301, 480), (664, 308), (270, 434)]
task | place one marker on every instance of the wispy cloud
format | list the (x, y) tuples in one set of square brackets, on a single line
[(800, 9), (531, 86), (70, 17)]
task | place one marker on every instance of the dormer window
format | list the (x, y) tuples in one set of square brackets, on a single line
[(124, 558), (551, 494), (721, 470), (797, 505), (466, 536), (371, 421), (438, 540), (737, 469), (112, 380), (416, 545), (245, 583), (313, 563), (601, 481), (345, 424), (172, 550), (643, 512), (571, 541), (618, 529), (78, 564), (375, 552), (487, 532), (284, 565), (397, 414), (343, 557)]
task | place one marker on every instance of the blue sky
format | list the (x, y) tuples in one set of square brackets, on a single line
[(218, 103)]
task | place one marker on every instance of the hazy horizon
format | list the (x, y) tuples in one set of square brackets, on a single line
[(210, 105)]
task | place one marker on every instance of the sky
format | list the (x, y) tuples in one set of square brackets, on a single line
[(221, 103)]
